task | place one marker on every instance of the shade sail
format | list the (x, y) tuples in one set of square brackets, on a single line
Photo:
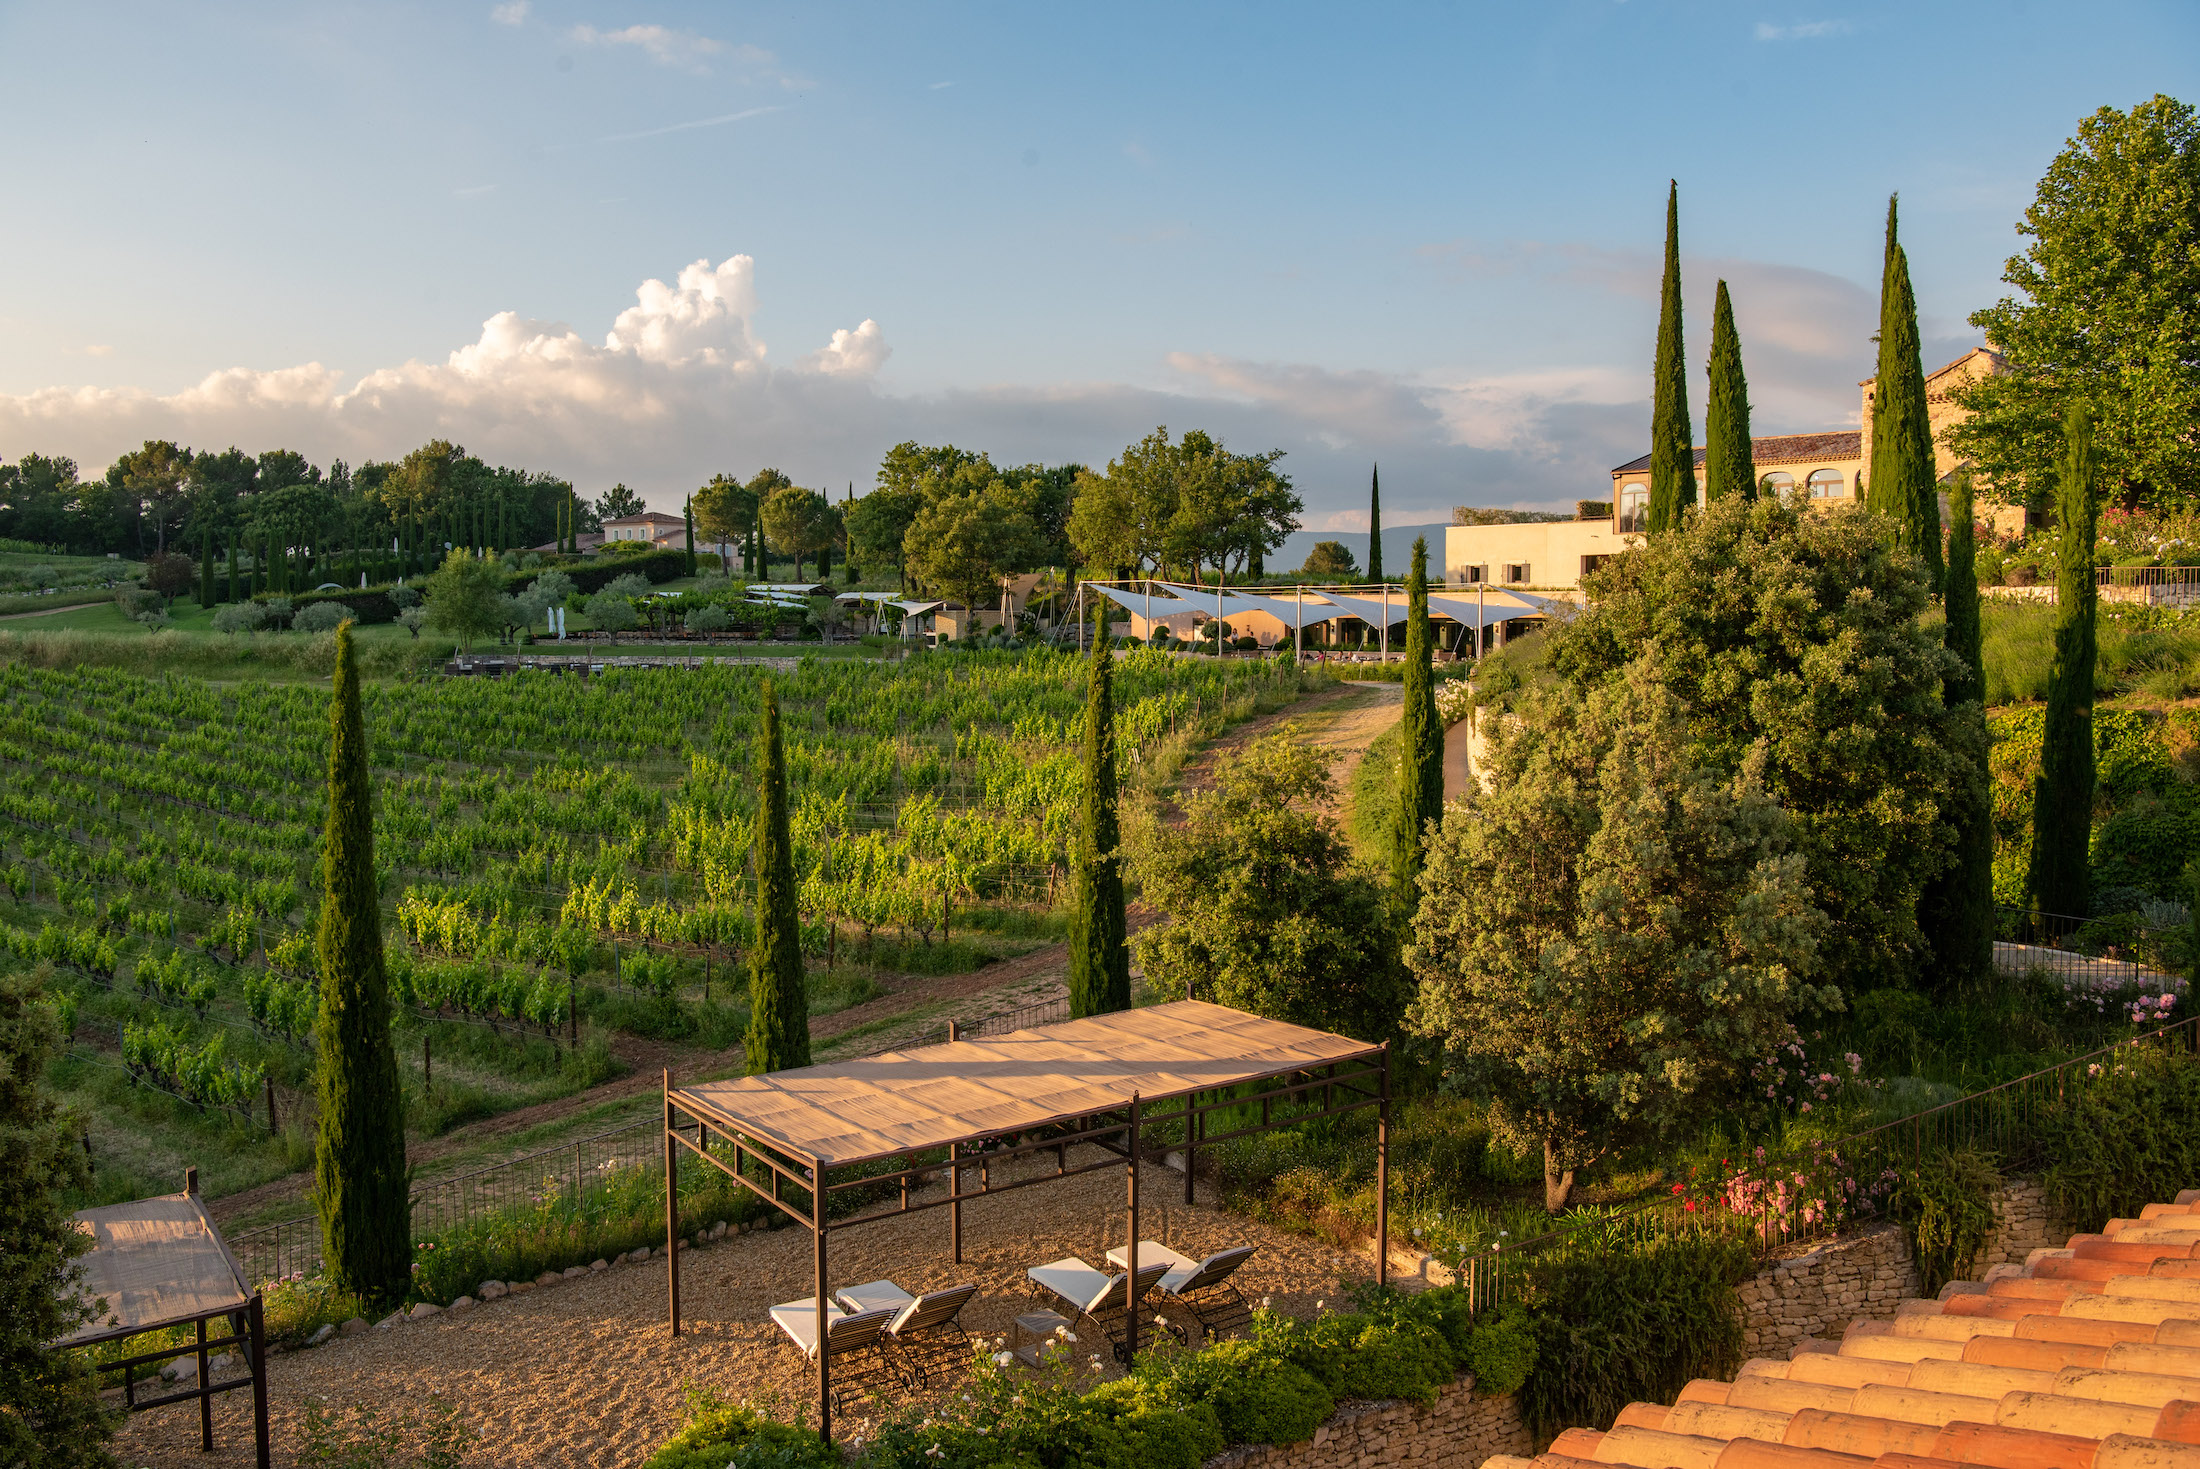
[(904, 1101), (1312, 611), (1137, 599), (155, 1262)]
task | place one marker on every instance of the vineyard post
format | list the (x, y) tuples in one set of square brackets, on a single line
[(572, 1013), (274, 1128)]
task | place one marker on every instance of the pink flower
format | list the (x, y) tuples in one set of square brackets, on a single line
[(1806, 1106)]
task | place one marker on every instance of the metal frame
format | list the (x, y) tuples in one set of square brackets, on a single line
[(694, 1124), (247, 1332)]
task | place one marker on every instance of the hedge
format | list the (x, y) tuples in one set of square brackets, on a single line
[(598, 571), (368, 604)]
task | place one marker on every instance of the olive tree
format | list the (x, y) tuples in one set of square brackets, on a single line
[(464, 597), (1793, 639), (1613, 932), (1266, 911)]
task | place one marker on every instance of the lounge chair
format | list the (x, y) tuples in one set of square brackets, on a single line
[(1202, 1287), (1102, 1300), (925, 1331), (855, 1343)]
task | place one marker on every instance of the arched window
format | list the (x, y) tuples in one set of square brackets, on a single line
[(1776, 484), (1825, 484), (1634, 507)]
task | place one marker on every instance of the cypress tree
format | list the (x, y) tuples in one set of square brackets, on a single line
[(206, 568), (1420, 741), (1375, 524), (1957, 909), (1672, 455), (1902, 485), (687, 515), (779, 998), (359, 1156), (232, 569), (2062, 795), (1729, 462), (1099, 956)]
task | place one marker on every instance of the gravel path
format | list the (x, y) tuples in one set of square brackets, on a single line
[(583, 1373)]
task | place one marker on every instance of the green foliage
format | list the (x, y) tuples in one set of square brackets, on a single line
[(779, 1007), (1946, 1206), (1618, 1323), (1420, 799), (1672, 457), (723, 1435), (1265, 912), (1729, 462), (50, 1414), (1901, 485), (1329, 561), (1258, 1397), (2127, 1136), (1793, 640), (1099, 959), (1501, 1352), (360, 1178), (2101, 313), (1612, 935), (463, 597), (1956, 910), (2058, 878), (1375, 522)]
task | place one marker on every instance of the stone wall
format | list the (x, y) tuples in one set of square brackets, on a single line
[(1819, 1292), (1459, 1432), (1862, 1276)]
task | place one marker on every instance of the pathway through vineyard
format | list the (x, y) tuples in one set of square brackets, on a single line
[(914, 1008)]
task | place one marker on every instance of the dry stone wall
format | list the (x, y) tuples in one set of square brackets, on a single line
[(1458, 1432)]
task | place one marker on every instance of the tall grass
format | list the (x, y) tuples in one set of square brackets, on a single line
[(265, 654), (2142, 647)]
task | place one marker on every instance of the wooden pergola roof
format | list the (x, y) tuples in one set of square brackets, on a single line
[(905, 1101)]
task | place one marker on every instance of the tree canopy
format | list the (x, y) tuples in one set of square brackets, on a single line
[(1611, 935), (1181, 506), (1792, 638), (2102, 316), (1267, 912), (464, 597)]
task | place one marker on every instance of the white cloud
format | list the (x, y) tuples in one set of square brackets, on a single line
[(1809, 30), (683, 50), (511, 13), (857, 353), (701, 122), (98, 349), (939, 86), (681, 386)]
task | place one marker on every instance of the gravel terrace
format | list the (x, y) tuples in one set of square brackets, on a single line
[(583, 1373)]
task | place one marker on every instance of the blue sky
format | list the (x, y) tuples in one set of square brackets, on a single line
[(1425, 234)]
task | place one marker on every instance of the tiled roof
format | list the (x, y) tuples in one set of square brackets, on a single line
[(647, 517), (1781, 449), (2086, 1357)]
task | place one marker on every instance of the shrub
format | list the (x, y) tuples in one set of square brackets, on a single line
[(1501, 1353), (317, 617), (723, 1435), (2128, 1136), (367, 605), (237, 617), (1947, 1208), (1258, 1398)]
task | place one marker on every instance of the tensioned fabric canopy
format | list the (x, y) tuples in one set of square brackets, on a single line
[(905, 1101), (155, 1262), (1136, 599)]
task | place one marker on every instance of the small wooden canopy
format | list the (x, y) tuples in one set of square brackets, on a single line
[(156, 1263), (906, 1101)]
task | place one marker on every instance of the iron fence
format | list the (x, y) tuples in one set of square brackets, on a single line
[(2103, 956)]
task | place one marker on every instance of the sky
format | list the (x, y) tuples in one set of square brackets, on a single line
[(649, 242)]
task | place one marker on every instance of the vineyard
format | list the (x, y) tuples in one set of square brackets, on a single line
[(562, 862)]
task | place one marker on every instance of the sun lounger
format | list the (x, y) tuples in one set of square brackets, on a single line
[(1202, 1287), (1103, 1300), (855, 1343)]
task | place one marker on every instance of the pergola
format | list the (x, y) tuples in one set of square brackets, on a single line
[(1093, 1083), (161, 1263)]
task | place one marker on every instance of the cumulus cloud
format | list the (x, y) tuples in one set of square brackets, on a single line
[(681, 386), (511, 13)]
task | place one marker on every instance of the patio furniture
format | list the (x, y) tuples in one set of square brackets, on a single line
[(1102, 1300), (1033, 1330), (1202, 1287), (925, 1331), (855, 1344)]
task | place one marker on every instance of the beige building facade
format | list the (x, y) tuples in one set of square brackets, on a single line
[(1821, 467)]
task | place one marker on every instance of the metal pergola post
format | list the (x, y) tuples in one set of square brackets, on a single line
[(672, 1207), (824, 1357), (1382, 1175), (1130, 1282)]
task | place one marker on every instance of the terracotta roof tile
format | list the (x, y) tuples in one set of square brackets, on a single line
[(1781, 449), (2089, 1358)]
